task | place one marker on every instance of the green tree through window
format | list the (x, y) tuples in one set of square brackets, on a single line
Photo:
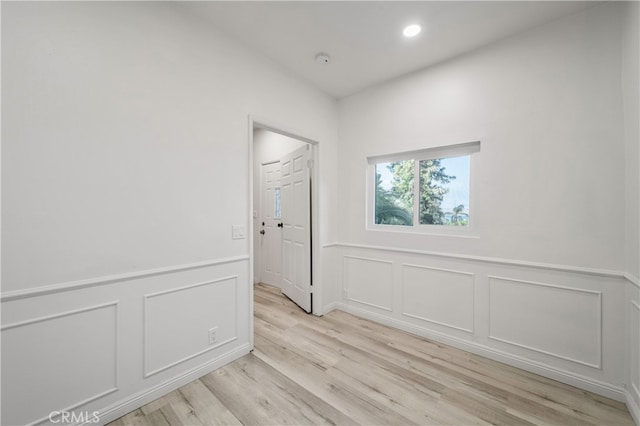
[(395, 192), (394, 197), (433, 180)]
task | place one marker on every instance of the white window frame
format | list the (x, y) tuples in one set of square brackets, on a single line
[(458, 150)]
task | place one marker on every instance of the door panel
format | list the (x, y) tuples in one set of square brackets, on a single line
[(296, 232), (271, 239)]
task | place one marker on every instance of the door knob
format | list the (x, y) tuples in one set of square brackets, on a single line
[(262, 232), (280, 225)]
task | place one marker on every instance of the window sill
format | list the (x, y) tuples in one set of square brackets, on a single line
[(426, 231)]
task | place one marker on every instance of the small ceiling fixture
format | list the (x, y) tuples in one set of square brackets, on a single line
[(322, 58), (412, 30)]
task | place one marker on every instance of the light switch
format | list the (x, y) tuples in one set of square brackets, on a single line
[(238, 232)]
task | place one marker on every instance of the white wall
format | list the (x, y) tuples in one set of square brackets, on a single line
[(121, 144), (549, 253), (267, 147), (631, 91), (125, 163), (631, 95), (546, 106), (124, 166)]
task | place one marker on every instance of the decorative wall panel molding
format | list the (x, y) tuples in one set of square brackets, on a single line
[(178, 322), (75, 350), (559, 321), (157, 330), (368, 281), (439, 296)]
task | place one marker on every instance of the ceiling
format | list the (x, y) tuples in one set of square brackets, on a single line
[(364, 38)]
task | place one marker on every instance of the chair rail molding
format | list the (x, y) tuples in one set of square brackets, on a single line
[(496, 260), (9, 296)]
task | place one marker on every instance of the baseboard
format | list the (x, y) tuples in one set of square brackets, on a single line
[(564, 376), (139, 399), (330, 307)]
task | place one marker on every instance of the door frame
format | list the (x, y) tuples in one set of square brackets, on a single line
[(265, 124)]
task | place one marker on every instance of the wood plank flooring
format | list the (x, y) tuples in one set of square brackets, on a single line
[(343, 370)]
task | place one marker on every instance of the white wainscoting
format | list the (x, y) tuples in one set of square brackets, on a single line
[(635, 344), (368, 282), (83, 345), (115, 343), (173, 335), (633, 352), (553, 320), (439, 296), (561, 322)]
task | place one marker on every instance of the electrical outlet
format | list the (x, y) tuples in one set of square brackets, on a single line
[(213, 335)]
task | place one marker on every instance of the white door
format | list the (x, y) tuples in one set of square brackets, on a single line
[(270, 234), (296, 233)]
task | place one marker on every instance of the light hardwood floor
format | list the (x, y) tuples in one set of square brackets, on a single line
[(340, 369)]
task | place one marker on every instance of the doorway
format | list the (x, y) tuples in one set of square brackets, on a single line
[(282, 205)]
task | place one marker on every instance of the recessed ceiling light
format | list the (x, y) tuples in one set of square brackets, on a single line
[(412, 30)]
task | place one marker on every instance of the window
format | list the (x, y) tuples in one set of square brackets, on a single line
[(423, 190), (277, 213)]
